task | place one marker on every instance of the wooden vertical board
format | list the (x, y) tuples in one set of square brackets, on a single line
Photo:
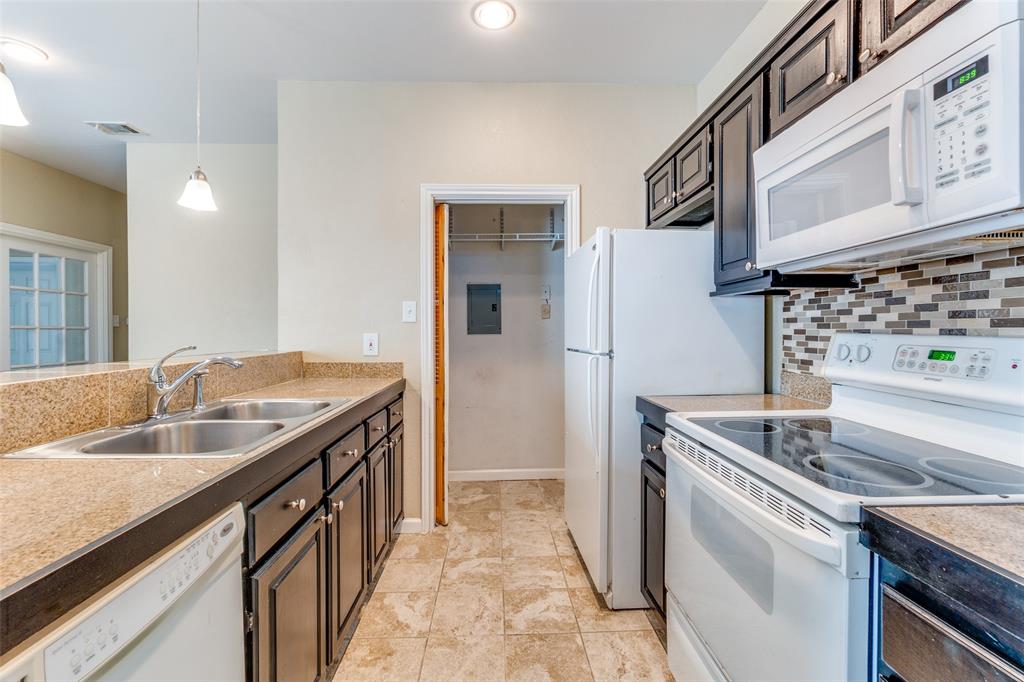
[(440, 257)]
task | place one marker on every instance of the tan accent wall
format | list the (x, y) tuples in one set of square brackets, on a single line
[(43, 198)]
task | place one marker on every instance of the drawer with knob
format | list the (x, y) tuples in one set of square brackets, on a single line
[(345, 454), (376, 428), (395, 411), (282, 509), (650, 445)]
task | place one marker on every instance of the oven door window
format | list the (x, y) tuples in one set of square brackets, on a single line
[(739, 551), (847, 183)]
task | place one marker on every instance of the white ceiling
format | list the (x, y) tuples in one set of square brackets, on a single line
[(133, 60)]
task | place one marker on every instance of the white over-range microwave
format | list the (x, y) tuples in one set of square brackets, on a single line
[(919, 158)]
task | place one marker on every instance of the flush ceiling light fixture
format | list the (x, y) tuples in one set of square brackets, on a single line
[(10, 110), (198, 195), (494, 15), (22, 51)]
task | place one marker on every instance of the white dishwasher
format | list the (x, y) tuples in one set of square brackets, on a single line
[(179, 618)]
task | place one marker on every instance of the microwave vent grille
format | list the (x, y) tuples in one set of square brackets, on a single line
[(1012, 235), (749, 487)]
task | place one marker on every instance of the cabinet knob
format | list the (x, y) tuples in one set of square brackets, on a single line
[(674, 194), (299, 504), (351, 453), (749, 266), (378, 428), (661, 491), (653, 447), (327, 518), (397, 413), (831, 78), (339, 505), (865, 55)]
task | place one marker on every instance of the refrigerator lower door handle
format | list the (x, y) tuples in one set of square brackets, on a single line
[(591, 398)]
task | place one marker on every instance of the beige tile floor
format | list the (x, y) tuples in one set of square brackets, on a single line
[(499, 594)]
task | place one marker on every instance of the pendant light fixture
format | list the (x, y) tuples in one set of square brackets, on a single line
[(198, 195), (10, 110)]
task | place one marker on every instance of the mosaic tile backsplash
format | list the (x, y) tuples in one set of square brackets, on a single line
[(976, 295)]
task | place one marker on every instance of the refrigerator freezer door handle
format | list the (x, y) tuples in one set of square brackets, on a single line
[(591, 305)]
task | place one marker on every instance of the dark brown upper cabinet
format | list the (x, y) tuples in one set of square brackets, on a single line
[(738, 132), (812, 69), (661, 191), (693, 168), (885, 25)]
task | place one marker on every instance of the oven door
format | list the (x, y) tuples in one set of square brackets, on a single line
[(767, 598), (857, 183)]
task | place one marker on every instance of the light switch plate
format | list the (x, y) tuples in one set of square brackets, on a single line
[(371, 344), (408, 311)]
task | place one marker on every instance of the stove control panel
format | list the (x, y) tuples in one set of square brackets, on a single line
[(952, 361), (985, 372)]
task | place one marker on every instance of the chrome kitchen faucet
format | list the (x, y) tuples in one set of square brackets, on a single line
[(159, 391)]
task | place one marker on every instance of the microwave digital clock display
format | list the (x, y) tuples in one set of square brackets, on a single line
[(961, 78)]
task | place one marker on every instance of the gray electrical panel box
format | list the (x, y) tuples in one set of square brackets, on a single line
[(483, 308)]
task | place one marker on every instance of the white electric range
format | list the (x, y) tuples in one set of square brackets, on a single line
[(765, 575)]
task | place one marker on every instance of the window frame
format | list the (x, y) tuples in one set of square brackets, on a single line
[(100, 288)]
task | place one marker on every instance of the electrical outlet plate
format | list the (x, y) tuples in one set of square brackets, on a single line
[(408, 311), (371, 344)]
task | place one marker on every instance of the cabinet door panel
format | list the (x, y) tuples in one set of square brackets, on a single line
[(396, 473), (692, 167), (378, 509), (290, 602), (738, 132), (347, 550), (652, 527), (887, 24), (659, 191), (812, 69)]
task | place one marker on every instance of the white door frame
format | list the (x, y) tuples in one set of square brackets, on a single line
[(568, 195), (104, 282)]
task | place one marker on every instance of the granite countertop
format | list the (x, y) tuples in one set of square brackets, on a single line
[(52, 510), (992, 533), (739, 403)]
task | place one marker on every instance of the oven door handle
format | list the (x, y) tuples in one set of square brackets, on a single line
[(903, 193), (830, 553)]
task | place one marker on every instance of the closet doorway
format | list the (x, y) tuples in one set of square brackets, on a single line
[(492, 349)]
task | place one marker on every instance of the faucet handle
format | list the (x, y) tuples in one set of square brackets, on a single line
[(156, 372)]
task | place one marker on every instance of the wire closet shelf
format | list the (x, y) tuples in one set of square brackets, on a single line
[(502, 237)]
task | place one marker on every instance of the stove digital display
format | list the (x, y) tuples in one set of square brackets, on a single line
[(943, 355)]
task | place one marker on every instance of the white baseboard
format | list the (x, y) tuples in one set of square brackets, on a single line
[(411, 526), (504, 474)]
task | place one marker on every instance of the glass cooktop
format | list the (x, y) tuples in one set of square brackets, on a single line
[(856, 459)]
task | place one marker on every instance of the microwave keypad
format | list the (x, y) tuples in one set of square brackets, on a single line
[(966, 363), (961, 134)]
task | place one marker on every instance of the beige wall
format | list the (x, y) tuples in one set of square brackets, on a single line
[(507, 391), (207, 279), (352, 156), (44, 198)]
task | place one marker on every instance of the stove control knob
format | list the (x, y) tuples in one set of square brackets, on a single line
[(842, 351), (863, 353)]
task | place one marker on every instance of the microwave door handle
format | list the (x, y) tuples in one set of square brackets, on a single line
[(903, 193), (828, 552)]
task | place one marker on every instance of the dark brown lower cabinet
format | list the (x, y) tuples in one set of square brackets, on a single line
[(652, 528), (290, 608), (377, 506), (396, 471), (347, 549)]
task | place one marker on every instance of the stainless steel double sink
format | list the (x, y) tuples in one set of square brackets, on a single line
[(224, 429)]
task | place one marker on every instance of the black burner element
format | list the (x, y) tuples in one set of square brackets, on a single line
[(747, 426), (868, 471)]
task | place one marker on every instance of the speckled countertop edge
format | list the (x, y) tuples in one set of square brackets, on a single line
[(738, 402), (992, 535), (41, 553)]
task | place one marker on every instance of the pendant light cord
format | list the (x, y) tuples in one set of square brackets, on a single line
[(199, 91)]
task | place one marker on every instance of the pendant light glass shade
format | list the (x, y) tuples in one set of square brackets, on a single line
[(197, 195), (10, 110)]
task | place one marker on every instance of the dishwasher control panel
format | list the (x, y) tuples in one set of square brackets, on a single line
[(98, 636)]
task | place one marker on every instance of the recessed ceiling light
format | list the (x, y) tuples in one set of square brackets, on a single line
[(494, 14), (22, 51)]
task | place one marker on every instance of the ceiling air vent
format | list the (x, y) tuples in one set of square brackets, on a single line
[(999, 236), (114, 128)]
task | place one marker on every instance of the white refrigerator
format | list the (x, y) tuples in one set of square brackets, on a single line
[(639, 321)]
